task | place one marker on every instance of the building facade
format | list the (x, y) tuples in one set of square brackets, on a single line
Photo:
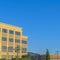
[(10, 38), (52, 57)]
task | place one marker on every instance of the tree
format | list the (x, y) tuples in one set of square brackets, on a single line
[(28, 57), (47, 55)]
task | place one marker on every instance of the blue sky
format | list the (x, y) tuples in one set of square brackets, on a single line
[(40, 20)]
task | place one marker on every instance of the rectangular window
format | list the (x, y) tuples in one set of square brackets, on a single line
[(11, 32), (10, 56), (24, 50), (4, 39), (3, 56), (10, 39), (17, 33), (4, 48), (10, 49), (17, 49), (4, 30), (17, 40), (24, 42)]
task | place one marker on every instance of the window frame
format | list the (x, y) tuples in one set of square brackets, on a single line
[(17, 40), (11, 32), (24, 50), (4, 30), (10, 49), (4, 48), (17, 33), (4, 38), (11, 40), (24, 42)]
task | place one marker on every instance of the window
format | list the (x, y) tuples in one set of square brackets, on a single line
[(4, 39), (11, 31), (4, 48), (10, 39), (24, 50), (3, 56), (4, 30), (17, 33), (17, 49), (24, 42), (10, 56), (17, 40), (10, 49)]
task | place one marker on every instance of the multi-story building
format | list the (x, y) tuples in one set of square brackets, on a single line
[(43, 56), (10, 38), (52, 57)]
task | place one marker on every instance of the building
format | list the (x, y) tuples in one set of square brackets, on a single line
[(52, 57), (10, 38), (36, 56)]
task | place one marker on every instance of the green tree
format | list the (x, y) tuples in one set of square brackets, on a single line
[(28, 57), (22, 59), (47, 55), (19, 59)]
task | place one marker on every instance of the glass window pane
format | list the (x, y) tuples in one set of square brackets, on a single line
[(10, 39), (4, 39), (3, 56), (24, 42), (4, 30), (24, 50), (17, 33), (4, 48), (17, 40), (10, 49), (17, 49), (11, 31)]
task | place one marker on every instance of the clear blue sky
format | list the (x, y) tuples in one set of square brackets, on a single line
[(40, 20)]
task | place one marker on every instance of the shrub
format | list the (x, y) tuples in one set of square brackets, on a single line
[(22, 59), (16, 59), (2, 59), (19, 59)]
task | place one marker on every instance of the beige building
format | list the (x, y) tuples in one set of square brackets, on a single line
[(10, 38), (52, 57)]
